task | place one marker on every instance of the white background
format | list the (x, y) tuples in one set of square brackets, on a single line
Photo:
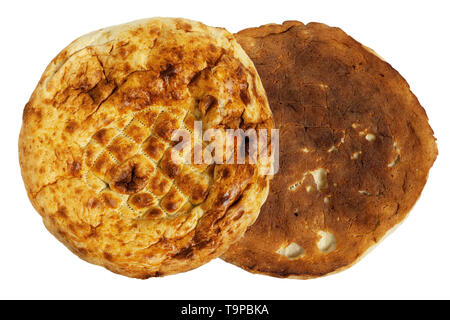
[(414, 262)]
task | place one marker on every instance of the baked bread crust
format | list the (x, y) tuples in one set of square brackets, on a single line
[(95, 146), (355, 151)]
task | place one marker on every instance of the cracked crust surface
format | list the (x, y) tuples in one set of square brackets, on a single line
[(355, 151), (96, 155)]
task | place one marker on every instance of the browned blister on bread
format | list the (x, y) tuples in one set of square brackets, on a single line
[(96, 151), (355, 151)]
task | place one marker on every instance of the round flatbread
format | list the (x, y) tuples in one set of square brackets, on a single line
[(355, 151), (97, 157)]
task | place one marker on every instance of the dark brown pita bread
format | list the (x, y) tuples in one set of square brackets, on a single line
[(355, 151)]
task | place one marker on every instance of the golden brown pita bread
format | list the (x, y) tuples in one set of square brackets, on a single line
[(95, 147)]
